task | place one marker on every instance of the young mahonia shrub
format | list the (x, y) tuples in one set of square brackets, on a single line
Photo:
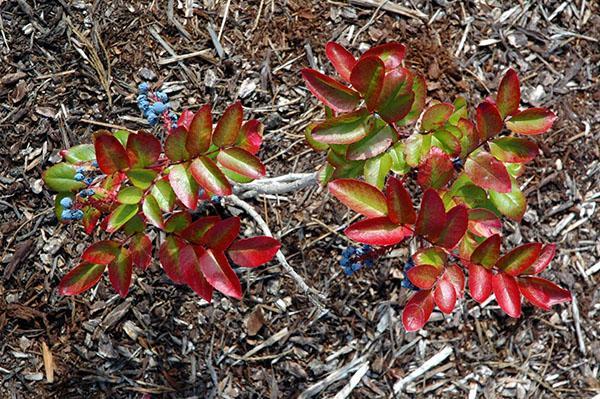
[(128, 183), (377, 123)]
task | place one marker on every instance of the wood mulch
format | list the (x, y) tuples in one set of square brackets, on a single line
[(68, 68)]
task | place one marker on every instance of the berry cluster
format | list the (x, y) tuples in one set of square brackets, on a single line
[(87, 175), (68, 213), (155, 105), (353, 259), (410, 263)]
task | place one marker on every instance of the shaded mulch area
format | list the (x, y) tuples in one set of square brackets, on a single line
[(68, 67)]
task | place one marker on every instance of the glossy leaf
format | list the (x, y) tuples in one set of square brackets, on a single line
[(489, 121), (119, 273), (141, 178), (164, 195), (120, 216), (419, 89), (359, 196), (417, 310), (514, 149), (191, 273), (377, 231), (242, 162), (168, 254), (376, 169), (344, 129), (480, 282), (372, 145), (455, 276), (520, 258), (445, 140), (228, 128), (445, 296), (509, 94), (330, 92), (130, 195), (140, 250), (195, 232), (251, 136), (219, 274), (342, 60), (209, 176), (436, 116), (487, 253), (454, 228), (543, 260), (432, 215), (253, 252), (469, 139), (79, 153), (221, 235), (101, 252), (61, 178), (416, 147), (423, 276), (510, 204), (391, 54), (436, 170), (81, 278), (178, 222), (399, 202), (396, 97), (484, 222), (487, 172), (531, 121), (175, 145), (434, 256), (143, 149), (200, 132), (185, 119), (507, 294), (90, 218), (367, 78), (110, 154), (183, 185), (543, 293)]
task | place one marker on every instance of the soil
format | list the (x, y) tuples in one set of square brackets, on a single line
[(68, 67)]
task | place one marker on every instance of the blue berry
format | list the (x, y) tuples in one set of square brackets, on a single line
[(87, 192), (65, 214), (95, 164), (79, 176), (80, 170), (215, 199), (159, 107), (152, 119), (77, 214), (356, 266), (66, 202), (144, 87), (162, 96), (88, 180), (345, 262)]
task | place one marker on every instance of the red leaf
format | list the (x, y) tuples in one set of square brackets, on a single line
[(80, 278), (542, 293), (445, 296), (90, 219), (200, 131), (359, 196), (397, 97), (417, 310), (242, 162), (509, 94), (228, 128), (543, 260), (101, 252), (531, 121), (470, 136), (119, 273), (192, 275), (436, 170), (221, 235), (488, 173), (423, 276), (185, 119), (377, 231), (507, 294), (342, 60), (434, 256), (454, 228), (208, 175), (110, 154), (514, 149), (367, 78), (195, 232), (432, 215), (489, 121), (253, 252), (140, 250), (520, 258), (455, 276), (487, 253), (484, 222), (168, 255), (436, 116), (175, 145), (399, 203), (480, 282), (219, 273), (391, 54), (250, 137), (344, 129), (184, 185), (330, 92), (143, 149)]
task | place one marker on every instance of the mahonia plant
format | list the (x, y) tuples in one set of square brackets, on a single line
[(125, 184), (378, 126)]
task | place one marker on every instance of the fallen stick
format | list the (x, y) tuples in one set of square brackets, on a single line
[(577, 322), (333, 377), (204, 54), (354, 380), (276, 185), (419, 371), (391, 7)]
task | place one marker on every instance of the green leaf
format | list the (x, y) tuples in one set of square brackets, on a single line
[(80, 153), (519, 259), (152, 211), (376, 169), (242, 162), (434, 256), (511, 204), (446, 141), (419, 88), (487, 253), (120, 216), (460, 110), (209, 176), (143, 149), (436, 116), (184, 185), (130, 195), (61, 178), (141, 178), (397, 98), (344, 129), (228, 127), (399, 165), (80, 279), (200, 131), (514, 149), (175, 145), (372, 145), (367, 77), (359, 196), (415, 147), (329, 91), (164, 195), (178, 222), (531, 121), (314, 144), (122, 136)]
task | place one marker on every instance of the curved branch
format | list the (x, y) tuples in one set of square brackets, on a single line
[(276, 185)]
